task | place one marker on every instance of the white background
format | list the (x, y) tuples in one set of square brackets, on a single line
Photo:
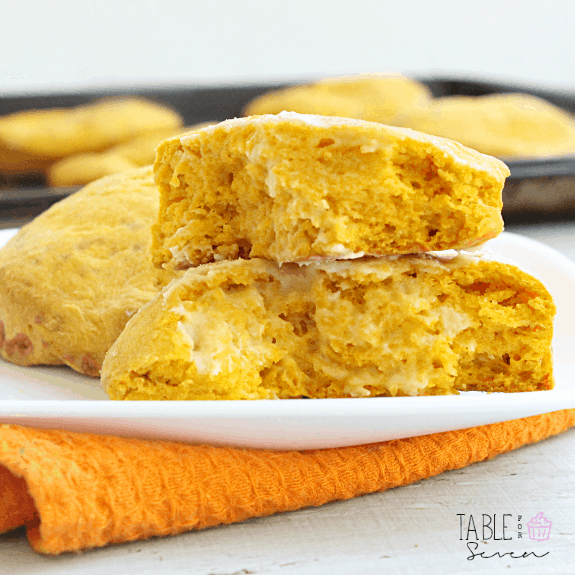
[(66, 44)]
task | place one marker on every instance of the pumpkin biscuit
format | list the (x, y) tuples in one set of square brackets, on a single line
[(291, 187), (406, 325), (32, 139), (383, 98), (502, 125), (71, 279), (82, 169)]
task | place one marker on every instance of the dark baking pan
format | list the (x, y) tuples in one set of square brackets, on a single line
[(19, 205), (540, 190), (537, 190)]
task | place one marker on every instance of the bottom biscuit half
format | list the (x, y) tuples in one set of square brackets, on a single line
[(401, 326)]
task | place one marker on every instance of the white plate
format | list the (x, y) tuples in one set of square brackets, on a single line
[(299, 424)]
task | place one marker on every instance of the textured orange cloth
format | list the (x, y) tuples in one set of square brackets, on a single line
[(75, 491)]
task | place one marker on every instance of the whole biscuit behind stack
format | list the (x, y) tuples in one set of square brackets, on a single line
[(71, 279)]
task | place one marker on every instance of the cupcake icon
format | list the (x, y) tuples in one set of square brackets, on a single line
[(539, 527)]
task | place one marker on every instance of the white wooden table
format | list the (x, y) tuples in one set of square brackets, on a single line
[(413, 529)]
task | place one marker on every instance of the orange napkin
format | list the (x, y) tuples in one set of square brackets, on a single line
[(74, 491)]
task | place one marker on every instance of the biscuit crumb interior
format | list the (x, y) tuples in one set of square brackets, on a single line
[(413, 326), (290, 191)]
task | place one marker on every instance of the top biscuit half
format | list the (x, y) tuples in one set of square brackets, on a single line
[(293, 187)]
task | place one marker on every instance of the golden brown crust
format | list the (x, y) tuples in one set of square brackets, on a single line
[(292, 187), (70, 280), (412, 325)]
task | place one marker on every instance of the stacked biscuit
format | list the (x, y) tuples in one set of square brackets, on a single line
[(314, 250)]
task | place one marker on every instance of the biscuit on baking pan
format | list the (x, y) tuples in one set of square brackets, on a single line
[(84, 168), (60, 132), (406, 325), (71, 279), (291, 187), (502, 125), (384, 98)]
